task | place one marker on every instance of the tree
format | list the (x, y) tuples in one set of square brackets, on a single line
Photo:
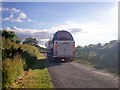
[(30, 40), (10, 35)]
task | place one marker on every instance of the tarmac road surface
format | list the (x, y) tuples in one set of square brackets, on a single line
[(75, 75)]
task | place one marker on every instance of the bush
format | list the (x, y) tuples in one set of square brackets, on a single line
[(29, 60), (14, 67)]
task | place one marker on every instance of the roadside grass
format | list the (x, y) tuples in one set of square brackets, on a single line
[(36, 77), (19, 73), (84, 63), (11, 70), (95, 66)]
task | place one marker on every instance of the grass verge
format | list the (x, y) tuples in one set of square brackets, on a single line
[(85, 63), (96, 67), (36, 77)]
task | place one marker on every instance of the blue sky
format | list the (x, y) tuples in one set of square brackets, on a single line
[(53, 13), (88, 20)]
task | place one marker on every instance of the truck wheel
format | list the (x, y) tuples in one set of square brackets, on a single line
[(71, 59), (48, 57)]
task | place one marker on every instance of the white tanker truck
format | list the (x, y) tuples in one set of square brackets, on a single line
[(61, 46)]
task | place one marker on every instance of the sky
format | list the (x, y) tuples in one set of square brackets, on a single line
[(88, 22)]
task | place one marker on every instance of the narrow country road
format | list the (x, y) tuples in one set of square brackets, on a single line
[(75, 75)]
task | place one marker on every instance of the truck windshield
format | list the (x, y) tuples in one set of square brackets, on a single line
[(62, 35)]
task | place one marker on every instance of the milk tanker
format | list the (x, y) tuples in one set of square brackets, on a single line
[(61, 46)]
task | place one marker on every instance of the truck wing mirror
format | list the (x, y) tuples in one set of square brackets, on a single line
[(46, 44)]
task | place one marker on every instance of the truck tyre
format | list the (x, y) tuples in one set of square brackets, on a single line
[(71, 59)]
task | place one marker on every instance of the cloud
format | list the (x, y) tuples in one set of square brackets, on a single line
[(0, 9), (29, 20), (16, 15), (75, 30), (101, 26), (41, 35), (14, 10), (103, 29), (4, 9), (22, 16), (83, 33)]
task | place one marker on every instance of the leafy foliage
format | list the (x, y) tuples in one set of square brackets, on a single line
[(101, 56), (10, 35), (14, 67), (30, 40), (17, 58)]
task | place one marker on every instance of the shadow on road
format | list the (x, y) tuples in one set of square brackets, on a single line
[(44, 63), (40, 64), (51, 63)]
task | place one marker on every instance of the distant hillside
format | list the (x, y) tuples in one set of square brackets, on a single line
[(101, 56)]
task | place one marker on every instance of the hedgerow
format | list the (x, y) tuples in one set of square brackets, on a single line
[(13, 67)]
